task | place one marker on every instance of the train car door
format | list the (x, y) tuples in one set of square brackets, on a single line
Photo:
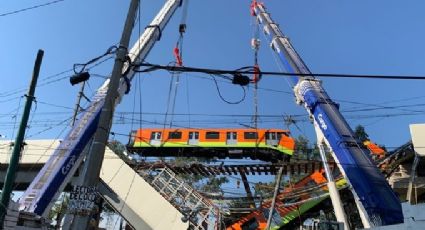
[(155, 138), (232, 138), (193, 138), (271, 139)]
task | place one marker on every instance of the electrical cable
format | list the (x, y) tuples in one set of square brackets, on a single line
[(9, 100), (269, 118), (127, 121), (140, 103), (21, 90), (263, 122), (16, 118), (229, 81), (173, 106), (54, 105), (290, 93), (378, 106), (51, 127), (30, 8), (188, 99), (388, 107), (83, 66), (46, 80), (32, 117), (13, 112), (171, 89), (217, 115), (134, 104), (153, 67), (175, 76), (221, 96), (236, 123), (43, 154)]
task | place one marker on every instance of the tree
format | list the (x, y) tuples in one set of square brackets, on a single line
[(58, 210), (213, 184), (301, 147), (120, 150), (265, 189), (305, 150), (360, 133)]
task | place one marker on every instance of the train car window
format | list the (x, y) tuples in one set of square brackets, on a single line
[(279, 135), (250, 135), (132, 137), (212, 135), (270, 135), (231, 135), (156, 136), (174, 135), (194, 135)]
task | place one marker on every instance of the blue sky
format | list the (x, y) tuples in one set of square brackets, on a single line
[(354, 37)]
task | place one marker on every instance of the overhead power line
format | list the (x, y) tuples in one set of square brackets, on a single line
[(30, 8), (153, 67)]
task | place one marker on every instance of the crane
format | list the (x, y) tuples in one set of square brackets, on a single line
[(377, 203), (61, 166)]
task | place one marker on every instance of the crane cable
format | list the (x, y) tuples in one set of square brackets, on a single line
[(255, 45), (178, 49), (178, 54)]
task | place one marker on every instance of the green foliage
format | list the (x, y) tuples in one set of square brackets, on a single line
[(182, 161), (265, 190), (315, 153), (116, 146), (301, 145), (305, 150), (119, 149), (213, 184), (383, 147), (360, 133), (207, 184), (189, 179), (58, 210), (107, 208)]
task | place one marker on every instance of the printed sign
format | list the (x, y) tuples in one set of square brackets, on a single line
[(82, 200)]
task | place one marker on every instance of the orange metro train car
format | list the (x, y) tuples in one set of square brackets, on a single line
[(264, 144)]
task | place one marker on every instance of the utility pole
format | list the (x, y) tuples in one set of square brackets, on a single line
[(14, 159), (276, 190), (93, 164), (77, 104)]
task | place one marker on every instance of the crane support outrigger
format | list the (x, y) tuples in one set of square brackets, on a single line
[(376, 201)]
